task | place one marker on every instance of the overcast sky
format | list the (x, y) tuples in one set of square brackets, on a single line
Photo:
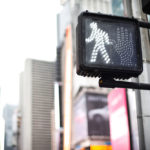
[(27, 30)]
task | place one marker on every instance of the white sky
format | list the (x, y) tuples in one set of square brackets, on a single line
[(27, 30)]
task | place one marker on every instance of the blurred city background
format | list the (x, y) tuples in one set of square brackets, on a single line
[(44, 104)]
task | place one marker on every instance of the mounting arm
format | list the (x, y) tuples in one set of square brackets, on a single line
[(111, 83)]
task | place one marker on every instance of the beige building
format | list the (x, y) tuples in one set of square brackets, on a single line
[(36, 103)]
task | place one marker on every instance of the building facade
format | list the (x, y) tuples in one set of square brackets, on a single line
[(37, 102), (10, 137)]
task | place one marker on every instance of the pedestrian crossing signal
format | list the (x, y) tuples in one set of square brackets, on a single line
[(108, 46)]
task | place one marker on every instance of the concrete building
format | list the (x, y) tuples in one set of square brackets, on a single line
[(36, 103), (9, 141)]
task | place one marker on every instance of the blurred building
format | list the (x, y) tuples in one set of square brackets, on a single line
[(36, 104), (103, 6), (90, 121), (1, 124), (63, 20), (15, 128), (10, 142), (138, 101), (73, 8), (118, 7)]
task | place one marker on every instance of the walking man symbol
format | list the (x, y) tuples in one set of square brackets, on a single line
[(101, 39)]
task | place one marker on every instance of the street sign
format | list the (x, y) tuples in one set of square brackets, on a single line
[(108, 46)]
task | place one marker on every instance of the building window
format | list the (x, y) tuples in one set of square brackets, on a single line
[(118, 7)]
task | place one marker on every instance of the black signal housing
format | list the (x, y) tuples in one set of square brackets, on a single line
[(108, 46)]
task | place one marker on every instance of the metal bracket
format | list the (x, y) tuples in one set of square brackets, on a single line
[(144, 24), (111, 83)]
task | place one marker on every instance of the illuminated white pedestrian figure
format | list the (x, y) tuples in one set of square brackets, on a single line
[(101, 39)]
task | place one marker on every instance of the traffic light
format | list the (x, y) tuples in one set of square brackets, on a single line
[(108, 46), (146, 6)]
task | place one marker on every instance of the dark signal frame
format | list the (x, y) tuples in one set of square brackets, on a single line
[(102, 71)]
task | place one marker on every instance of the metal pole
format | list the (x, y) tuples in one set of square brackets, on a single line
[(133, 9), (144, 24), (142, 106), (123, 84)]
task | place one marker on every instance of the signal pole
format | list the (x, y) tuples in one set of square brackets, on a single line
[(145, 102), (134, 8)]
